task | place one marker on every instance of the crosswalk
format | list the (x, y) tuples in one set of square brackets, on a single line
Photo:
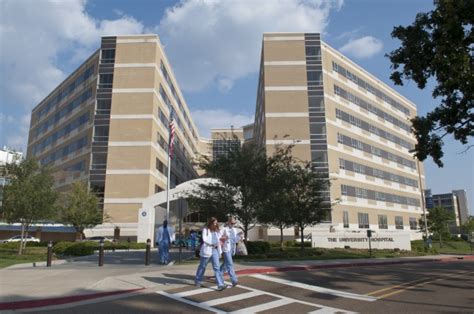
[(246, 299)]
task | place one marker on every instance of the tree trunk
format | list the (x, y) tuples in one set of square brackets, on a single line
[(281, 238), (302, 238), (440, 241), (22, 237), (246, 231)]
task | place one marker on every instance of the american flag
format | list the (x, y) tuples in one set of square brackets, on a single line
[(171, 139)]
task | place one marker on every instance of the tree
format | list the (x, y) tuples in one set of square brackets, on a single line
[(468, 226), (306, 202), (80, 208), (437, 220), (275, 211), (240, 190), (29, 197), (439, 46)]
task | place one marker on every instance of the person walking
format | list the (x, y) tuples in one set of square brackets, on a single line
[(210, 250), (228, 249), (192, 240), (164, 237)]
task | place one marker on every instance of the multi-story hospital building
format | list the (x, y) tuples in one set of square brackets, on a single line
[(107, 124)]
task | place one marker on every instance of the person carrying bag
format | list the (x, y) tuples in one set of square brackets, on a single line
[(210, 250)]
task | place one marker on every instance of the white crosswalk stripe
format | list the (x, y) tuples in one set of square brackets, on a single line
[(263, 307), (338, 293), (251, 292), (233, 298)]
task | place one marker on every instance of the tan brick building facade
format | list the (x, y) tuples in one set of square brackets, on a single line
[(107, 124)]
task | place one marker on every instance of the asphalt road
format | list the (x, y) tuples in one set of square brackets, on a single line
[(409, 288)]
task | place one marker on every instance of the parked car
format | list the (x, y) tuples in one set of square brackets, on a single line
[(17, 238), (307, 238), (99, 238)]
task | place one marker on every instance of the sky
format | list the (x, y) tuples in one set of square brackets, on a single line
[(214, 48)]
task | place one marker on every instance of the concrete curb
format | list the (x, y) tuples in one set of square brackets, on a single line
[(28, 304), (37, 264)]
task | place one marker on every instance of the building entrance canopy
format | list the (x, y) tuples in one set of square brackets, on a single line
[(152, 212)]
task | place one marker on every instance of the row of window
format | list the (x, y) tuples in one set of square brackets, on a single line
[(176, 97), (64, 151), (64, 112), (164, 120), (346, 140), (106, 80), (80, 166), (222, 147), (363, 220), (372, 129), (108, 56), (379, 196), (365, 105), (355, 167), (76, 123), (65, 92), (179, 150), (371, 89)]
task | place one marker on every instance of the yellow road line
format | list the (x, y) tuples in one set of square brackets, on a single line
[(422, 283), (396, 286)]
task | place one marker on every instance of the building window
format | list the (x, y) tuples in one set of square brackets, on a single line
[(108, 56), (343, 189), (399, 222), (345, 219), (363, 220), (161, 167), (413, 223), (342, 163), (383, 222), (313, 51), (340, 138), (106, 80)]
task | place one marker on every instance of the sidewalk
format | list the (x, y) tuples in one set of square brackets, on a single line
[(82, 279)]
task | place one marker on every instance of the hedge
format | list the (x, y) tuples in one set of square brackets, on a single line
[(88, 247), (258, 247), (16, 245)]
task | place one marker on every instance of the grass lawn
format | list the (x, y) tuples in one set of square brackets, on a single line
[(10, 257), (453, 247)]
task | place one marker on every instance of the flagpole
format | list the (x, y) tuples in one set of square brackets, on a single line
[(170, 153), (168, 187)]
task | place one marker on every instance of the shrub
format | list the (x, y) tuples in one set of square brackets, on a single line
[(258, 247), (75, 248)]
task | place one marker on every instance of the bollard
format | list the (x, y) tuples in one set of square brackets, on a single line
[(147, 252), (50, 254), (101, 253)]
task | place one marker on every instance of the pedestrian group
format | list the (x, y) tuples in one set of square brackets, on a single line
[(215, 242)]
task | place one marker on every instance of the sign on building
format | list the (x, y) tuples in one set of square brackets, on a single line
[(385, 240)]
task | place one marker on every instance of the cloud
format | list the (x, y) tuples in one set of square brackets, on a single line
[(20, 126), (38, 38), (364, 47), (207, 119), (217, 42)]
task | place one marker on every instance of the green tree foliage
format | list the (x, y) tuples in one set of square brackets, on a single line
[(305, 199), (468, 226), (29, 197), (439, 45), (437, 219), (274, 210), (239, 192), (80, 208)]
